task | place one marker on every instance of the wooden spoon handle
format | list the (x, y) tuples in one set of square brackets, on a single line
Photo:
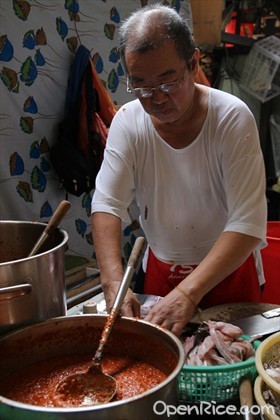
[(137, 251), (58, 215), (134, 258), (136, 254), (54, 221), (246, 397)]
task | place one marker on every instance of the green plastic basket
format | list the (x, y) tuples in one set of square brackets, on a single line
[(214, 383)]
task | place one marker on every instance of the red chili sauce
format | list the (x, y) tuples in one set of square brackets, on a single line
[(36, 383)]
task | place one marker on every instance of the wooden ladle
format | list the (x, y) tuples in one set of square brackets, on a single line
[(94, 386), (54, 221)]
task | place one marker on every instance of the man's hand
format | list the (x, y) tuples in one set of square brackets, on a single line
[(130, 306), (172, 312)]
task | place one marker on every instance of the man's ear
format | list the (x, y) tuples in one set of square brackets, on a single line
[(194, 62)]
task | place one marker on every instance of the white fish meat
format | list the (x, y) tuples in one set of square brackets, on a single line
[(217, 343)]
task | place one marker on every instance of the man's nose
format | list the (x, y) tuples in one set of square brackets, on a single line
[(158, 96)]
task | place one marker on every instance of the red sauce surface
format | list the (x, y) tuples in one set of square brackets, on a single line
[(36, 383)]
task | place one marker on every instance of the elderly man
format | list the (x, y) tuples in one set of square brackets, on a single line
[(191, 156)]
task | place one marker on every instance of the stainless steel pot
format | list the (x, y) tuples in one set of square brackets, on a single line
[(32, 289), (81, 333)]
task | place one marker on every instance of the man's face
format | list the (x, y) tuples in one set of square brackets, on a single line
[(161, 66)]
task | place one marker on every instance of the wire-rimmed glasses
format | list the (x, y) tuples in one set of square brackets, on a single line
[(147, 92)]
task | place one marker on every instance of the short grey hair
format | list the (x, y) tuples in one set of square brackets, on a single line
[(152, 26)]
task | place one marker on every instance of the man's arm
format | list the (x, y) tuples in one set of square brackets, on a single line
[(228, 253), (106, 231)]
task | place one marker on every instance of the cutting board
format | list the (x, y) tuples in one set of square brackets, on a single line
[(254, 319), (232, 311)]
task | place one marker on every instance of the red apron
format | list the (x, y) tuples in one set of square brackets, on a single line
[(241, 286)]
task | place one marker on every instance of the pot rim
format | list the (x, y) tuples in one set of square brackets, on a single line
[(63, 243), (170, 378)]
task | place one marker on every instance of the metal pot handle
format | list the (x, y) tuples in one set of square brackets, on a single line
[(18, 290)]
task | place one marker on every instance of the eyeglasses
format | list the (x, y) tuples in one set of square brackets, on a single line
[(167, 88)]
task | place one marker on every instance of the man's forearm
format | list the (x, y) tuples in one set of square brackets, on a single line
[(106, 231), (229, 252)]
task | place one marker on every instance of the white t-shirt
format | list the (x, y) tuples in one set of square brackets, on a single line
[(187, 197)]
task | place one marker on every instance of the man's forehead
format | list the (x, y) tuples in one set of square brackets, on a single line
[(162, 75)]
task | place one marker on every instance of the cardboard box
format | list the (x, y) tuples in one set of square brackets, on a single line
[(207, 21)]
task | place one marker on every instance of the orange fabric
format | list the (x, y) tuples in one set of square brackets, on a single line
[(240, 286), (101, 128), (107, 107), (100, 120)]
